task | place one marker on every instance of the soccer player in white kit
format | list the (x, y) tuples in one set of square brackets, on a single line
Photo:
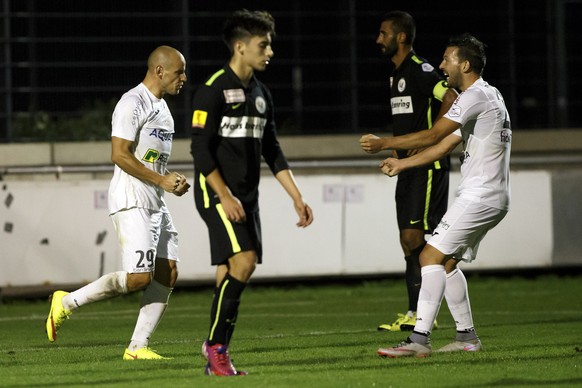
[(142, 132), (478, 119)]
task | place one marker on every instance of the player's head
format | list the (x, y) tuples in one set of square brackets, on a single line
[(248, 35), (402, 22), (242, 25), (396, 27), (470, 49), (463, 61), (166, 70)]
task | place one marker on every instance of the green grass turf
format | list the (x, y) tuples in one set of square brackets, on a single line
[(307, 336)]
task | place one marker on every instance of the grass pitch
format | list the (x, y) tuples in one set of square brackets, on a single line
[(307, 336)]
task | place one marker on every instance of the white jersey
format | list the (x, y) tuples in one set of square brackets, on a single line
[(145, 120), (486, 132)]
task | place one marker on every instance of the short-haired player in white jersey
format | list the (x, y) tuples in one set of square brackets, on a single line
[(479, 120), (141, 143)]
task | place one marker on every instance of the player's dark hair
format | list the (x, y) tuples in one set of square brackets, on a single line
[(470, 49), (245, 24), (402, 22)]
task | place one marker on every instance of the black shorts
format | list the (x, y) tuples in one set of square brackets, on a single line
[(228, 238), (422, 196)]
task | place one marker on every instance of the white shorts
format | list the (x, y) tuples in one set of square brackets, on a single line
[(143, 235), (463, 227)]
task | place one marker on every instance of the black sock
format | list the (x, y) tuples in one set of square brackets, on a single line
[(224, 310), (413, 277), (214, 306)]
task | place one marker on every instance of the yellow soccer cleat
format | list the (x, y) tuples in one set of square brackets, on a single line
[(404, 322), (402, 319), (143, 354), (57, 315)]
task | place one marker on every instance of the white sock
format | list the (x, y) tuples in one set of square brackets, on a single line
[(107, 286), (457, 296), (153, 305), (430, 297)]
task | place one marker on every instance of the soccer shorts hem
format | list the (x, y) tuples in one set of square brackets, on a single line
[(463, 227), (144, 235)]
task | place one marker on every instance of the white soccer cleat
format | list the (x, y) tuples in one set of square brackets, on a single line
[(462, 346), (406, 348)]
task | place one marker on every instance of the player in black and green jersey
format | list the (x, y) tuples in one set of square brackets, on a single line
[(418, 97), (232, 129)]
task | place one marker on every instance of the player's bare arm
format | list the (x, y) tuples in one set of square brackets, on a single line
[(286, 179), (421, 139), (122, 155), (371, 143), (393, 167), (447, 101), (230, 204)]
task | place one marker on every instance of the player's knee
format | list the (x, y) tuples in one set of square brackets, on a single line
[(451, 265), (243, 272), (430, 256), (138, 281), (411, 239), (242, 265), (166, 272)]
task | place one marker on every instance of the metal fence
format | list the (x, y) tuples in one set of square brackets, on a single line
[(65, 63)]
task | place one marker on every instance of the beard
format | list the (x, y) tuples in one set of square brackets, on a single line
[(389, 50)]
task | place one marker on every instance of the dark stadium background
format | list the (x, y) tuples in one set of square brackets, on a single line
[(64, 63)]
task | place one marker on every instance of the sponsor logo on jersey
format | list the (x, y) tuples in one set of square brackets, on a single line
[(444, 225), (427, 67), (161, 134), (401, 85), (455, 111), (505, 137), (401, 105), (151, 156), (261, 105), (245, 126), (232, 96), (199, 118)]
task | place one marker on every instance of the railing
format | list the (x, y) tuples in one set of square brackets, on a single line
[(64, 62)]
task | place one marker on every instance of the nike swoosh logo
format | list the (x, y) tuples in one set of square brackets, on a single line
[(134, 356), (236, 106), (412, 222)]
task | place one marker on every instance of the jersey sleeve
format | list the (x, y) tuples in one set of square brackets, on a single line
[(128, 117), (271, 149), (207, 109), (469, 105)]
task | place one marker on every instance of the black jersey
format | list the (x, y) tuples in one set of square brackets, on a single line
[(416, 90), (232, 127)]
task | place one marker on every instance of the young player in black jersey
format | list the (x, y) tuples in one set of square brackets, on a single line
[(416, 91), (232, 128)]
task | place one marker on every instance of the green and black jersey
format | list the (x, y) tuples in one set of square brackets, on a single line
[(232, 128), (416, 90)]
